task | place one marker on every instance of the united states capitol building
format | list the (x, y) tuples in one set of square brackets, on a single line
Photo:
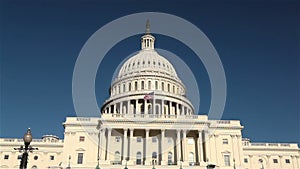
[(149, 122)]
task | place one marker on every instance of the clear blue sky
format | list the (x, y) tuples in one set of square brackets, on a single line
[(258, 43)]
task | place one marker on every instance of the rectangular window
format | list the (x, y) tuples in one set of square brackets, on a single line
[(81, 138), (287, 160), (190, 141), (6, 157), (275, 161), (154, 140), (80, 158), (51, 157), (227, 160), (19, 157), (138, 139), (118, 138), (245, 160), (225, 141)]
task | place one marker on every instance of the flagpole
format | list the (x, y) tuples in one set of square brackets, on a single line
[(153, 107)]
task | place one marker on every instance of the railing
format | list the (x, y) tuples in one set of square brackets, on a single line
[(154, 116)]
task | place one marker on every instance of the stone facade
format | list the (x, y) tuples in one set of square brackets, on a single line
[(148, 121)]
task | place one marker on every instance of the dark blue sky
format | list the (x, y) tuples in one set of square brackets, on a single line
[(258, 43)]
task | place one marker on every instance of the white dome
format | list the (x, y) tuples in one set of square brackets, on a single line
[(147, 61)]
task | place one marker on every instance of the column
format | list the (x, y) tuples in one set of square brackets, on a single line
[(178, 148), (240, 149), (182, 110), (136, 106), (162, 107), (108, 144), (200, 150), (146, 154), (131, 153), (250, 160), (125, 146), (102, 144), (145, 107), (170, 105), (115, 106), (109, 109), (207, 146), (163, 151), (121, 107), (177, 109), (184, 149), (128, 106)]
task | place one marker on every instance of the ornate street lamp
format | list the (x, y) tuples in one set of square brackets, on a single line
[(234, 164), (27, 139), (126, 163)]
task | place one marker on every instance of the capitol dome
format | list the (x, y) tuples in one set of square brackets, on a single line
[(143, 79)]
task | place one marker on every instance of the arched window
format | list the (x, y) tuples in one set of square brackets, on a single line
[(157, 109), (149, 84), (154, 158), (135, 85), (129, 87), (123, 87), (117, 156), (168, 87), (138, 158), (174, 89), (156, 85), (34, 167), (191, 158), (119, 89), (170, 157), (142, 85), (162, 86)]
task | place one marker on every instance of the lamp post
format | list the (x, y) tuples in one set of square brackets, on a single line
[(180, 165), (126, 163), (69, 166), (153, 163), (27, 138), (234, 164)]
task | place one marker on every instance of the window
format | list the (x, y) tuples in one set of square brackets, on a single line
[(129, 87), (287, 160), (275, 161), (143, 85), (162, 86), (80, 158), (149, 85), (34, 167), (168, 87), (245, 160), (135, 85), (35, 157), (191, 158), (81, 138), (170, 158), (227, 160), (154, 139), (138, 158), (139, 139), (123, 87), (117, 156), (156, 85), (225, 141), (51, 158), (118, 138), (6, 157), (190, 141), (154, 155)]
